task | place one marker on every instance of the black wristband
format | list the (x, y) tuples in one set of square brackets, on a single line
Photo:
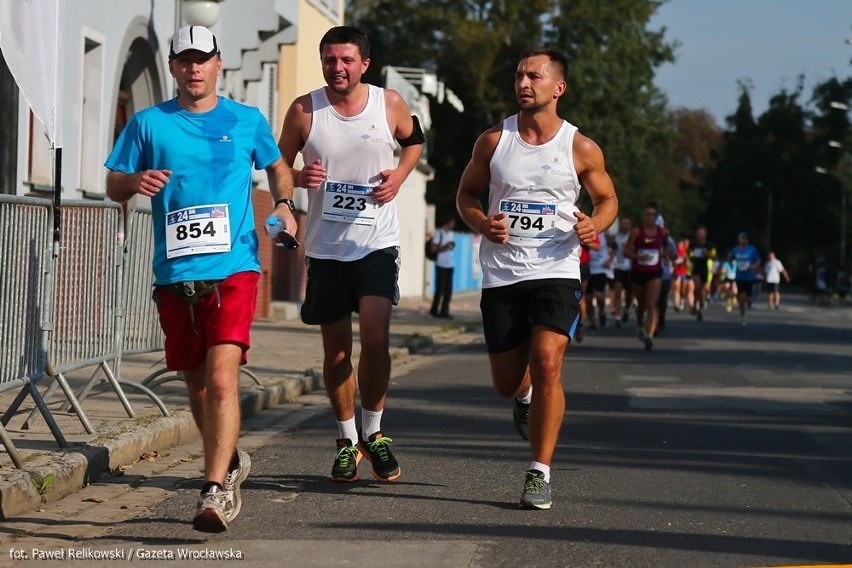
[(287, 201)]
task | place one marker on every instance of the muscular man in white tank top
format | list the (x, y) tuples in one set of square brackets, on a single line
[(534, 164), (347, 133)]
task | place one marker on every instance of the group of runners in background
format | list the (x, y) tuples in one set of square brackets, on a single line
[(644, 269)]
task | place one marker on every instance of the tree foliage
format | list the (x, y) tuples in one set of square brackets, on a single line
[(474, 47), (765, 180), (755, 174)]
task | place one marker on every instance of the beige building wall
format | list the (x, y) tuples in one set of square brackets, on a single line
[(299, 68)]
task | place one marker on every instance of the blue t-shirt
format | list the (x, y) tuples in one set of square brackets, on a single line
[(744, 259), (211, 156)]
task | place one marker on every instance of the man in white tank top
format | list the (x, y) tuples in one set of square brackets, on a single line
[(535, 165), (347, 132)]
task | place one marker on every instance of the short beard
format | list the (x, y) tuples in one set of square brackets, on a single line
[(532, 107)]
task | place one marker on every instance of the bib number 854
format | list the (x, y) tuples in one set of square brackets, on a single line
[(194, 230)]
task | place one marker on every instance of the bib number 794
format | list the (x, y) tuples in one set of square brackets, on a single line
[(525, 223)]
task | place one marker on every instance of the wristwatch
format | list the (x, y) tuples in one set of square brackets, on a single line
[(287, 201)]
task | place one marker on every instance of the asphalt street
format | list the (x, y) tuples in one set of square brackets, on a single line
[(724, 446)]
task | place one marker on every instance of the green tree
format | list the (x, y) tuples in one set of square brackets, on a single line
[(474, 47), (764, 179), (696, 141), (611, 93)]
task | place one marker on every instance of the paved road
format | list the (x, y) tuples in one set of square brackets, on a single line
[(725, 446)]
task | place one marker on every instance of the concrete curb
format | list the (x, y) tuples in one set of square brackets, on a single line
[(27, 490)]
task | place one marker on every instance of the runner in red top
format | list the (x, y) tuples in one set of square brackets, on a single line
[(645, 247)]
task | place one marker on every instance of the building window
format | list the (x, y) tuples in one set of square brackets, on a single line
[(9, 128), (90, 123), (331, 8), (39, 166)]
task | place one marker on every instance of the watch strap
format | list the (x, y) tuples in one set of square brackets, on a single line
[(287, 201)]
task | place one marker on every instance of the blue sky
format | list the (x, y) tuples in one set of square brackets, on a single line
[(766, 42)]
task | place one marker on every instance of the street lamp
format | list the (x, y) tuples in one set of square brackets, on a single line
[(768, 187), (200, 12), (840, 181)]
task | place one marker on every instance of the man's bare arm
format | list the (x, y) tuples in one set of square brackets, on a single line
[(591, 169), (474, 181), (121, 186)]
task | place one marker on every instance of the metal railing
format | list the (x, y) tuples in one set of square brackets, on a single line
[(89, 304), (26, 269)]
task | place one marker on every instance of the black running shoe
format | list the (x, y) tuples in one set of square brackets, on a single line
[(377, 451), (346, 460), (521, 417)]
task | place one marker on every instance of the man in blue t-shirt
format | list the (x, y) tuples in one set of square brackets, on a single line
[(193, 156), (747, 261)]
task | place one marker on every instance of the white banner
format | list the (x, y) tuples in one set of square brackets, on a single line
[(31, 40)]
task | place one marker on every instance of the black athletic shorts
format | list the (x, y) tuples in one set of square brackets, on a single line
[(509, 312), (701, 272), (642, 278), (745, 287), (335, 287), (622, 276), (598, 282)]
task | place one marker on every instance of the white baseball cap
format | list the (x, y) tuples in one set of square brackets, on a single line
[(196, 38)]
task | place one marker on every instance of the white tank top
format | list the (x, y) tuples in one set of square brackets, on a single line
[(344, 224), (537, 187), (621, 261)]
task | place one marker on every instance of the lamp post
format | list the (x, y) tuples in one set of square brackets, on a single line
[(842, 174), (768, 187), (842, 184), (200, 12), (195, 13)]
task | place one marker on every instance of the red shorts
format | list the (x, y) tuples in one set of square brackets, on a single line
[(218, 319)]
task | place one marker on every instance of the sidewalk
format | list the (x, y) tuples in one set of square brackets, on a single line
[(286, 357)]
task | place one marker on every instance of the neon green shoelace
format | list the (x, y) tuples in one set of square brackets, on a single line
[(534, 485), (380, 447), (345, 455)]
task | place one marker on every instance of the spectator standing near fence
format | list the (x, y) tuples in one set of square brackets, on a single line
[(347, 132), (534, 165), (193, 156), (443, 243)]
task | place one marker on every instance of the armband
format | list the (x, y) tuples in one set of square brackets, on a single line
[(416, 136)]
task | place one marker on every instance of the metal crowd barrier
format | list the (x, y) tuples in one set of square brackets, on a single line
[(142, 331), (88, 304), (26, 270)]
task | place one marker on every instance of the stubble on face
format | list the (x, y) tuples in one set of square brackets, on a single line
[(535, 83), (342, 67)]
